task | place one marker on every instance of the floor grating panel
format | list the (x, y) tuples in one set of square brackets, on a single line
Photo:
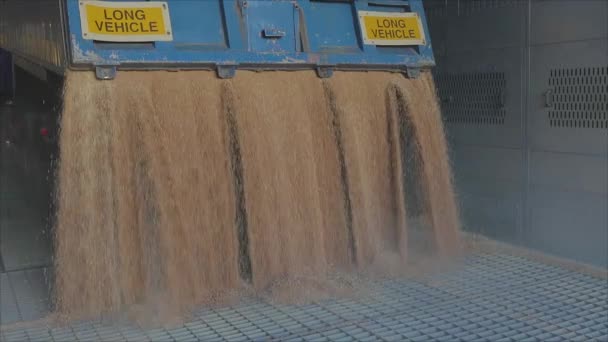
[(497, 297)]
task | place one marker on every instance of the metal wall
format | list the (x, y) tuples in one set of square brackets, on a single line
[(34, 30), (7, 83), (524, 90)]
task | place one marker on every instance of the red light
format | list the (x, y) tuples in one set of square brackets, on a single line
[(44, 131)]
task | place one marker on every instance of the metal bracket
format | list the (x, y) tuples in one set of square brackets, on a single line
[(226, 71), (325, 71), (242, 6), (412, 73), (548, 98), (273, 33), (502, 99), (107, 72)]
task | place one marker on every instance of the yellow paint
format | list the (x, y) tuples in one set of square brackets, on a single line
[(381, 28), (127, 21)]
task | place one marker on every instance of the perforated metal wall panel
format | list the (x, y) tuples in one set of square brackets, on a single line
[(578, 98), (473, 98), (524, 90), (568, 133), (486, 95), (561, 64), (479, 83)]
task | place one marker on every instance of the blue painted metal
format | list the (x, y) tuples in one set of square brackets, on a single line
[(241, 34)]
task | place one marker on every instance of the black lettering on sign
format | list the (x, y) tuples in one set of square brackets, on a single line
[(143, 29), (153, 26), (134, 27), (391, 23), (140, 15), (392, 28), (129, 15), (109, 26), (124, 14), (120, 27), (125, 21), (118, 15)]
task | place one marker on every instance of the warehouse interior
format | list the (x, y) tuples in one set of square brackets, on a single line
[(522, 87)]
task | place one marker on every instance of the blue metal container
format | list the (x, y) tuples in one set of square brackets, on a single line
[(224, 35)]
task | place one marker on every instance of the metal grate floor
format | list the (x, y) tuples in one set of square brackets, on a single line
[(24, 295), (497, 297)]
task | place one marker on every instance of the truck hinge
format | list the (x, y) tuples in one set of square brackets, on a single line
[(325, 71), (226, 71), (105, 72), (412, 73)]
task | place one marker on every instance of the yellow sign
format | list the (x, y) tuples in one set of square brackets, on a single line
[(391, 28), (125, 21)]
